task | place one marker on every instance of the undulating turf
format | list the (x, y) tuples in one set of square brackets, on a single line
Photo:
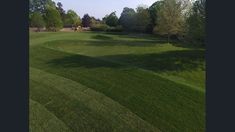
[(112, 82)]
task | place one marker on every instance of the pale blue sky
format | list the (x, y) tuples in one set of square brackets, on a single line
[(99, 8)]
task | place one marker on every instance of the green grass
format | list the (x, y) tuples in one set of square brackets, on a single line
[(113, 82)]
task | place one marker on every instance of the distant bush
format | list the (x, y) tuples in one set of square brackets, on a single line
[(105, 27), (99, 27), (115, 29)]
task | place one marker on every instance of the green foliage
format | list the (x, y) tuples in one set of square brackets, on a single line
[(95, 22), (153, 11), (127, 19), (72, 19), (61, 11), (77, 22), (170, 20), (86, 21), (105, 27), (60, 8), (135, 21), (53, 19), (118, 28), (196, 22), (143, 19), (40, 5), (99, 27), (37, 20), (111, 19)]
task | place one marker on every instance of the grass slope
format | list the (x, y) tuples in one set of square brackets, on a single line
[(42, 120), (82, 109), (137, 75)]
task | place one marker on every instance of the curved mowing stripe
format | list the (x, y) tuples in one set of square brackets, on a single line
[(171, 78), (42, 120), (82, 51), (118, 116)]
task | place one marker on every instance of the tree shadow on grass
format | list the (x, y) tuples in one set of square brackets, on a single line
[(162, 62), (189, 45), (166, 61), (110, 42), (139, 43), (115, 33), (143, 36), (102, 37), (81, 61), (133, 37)]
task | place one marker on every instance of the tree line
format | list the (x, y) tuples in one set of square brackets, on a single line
[(180, 19)]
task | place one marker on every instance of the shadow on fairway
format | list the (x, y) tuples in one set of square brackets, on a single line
[(102, 37), (81, 61), (167, 61), (139, 43), (110, 42), (189, 45), (141, 37)]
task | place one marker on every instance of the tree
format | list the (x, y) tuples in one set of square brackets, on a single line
[(61, 11), (86, 20), (111, 19), (53, 19), (127, 18), (40, 5), (60, 8), (170, 20), (72, 19), (143, 19), (95, 22), (196, 22), (153, 11), (37, 20)]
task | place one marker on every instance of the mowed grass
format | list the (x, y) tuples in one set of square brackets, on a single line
[(113, 82)]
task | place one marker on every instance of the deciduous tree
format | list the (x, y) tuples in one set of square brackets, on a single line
[(111, 19), (37, 20), (127, 18), (72, 19), (53, 19), (143, 19), (196, 22), (86, 21), (40, 5), (170, 20)]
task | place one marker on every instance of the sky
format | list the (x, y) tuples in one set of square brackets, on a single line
[(100, 8)]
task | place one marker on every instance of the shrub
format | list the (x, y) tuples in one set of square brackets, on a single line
[(115, 29), (99, 27)]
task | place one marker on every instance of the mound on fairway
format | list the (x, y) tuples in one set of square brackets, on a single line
[(105, 82)]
